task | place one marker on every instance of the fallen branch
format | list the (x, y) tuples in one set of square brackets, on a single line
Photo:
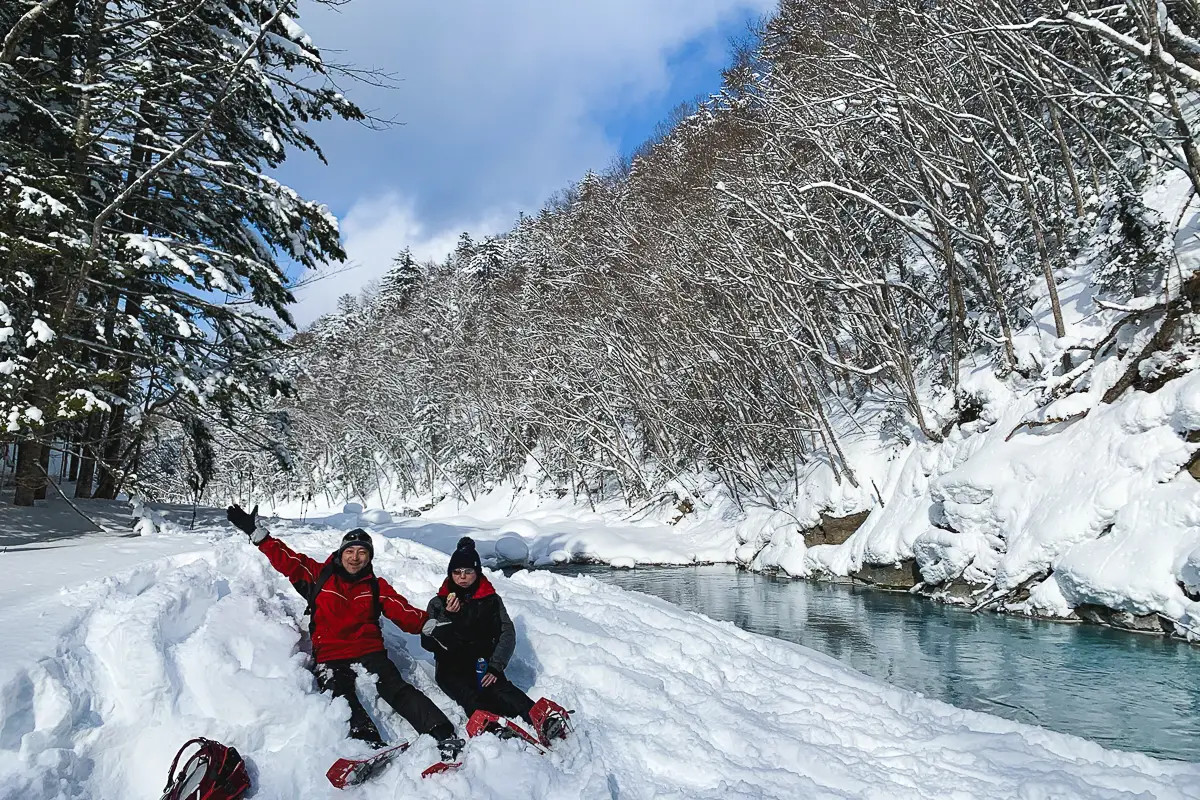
[(984, 604), (1179, 624), (1129, 309), (1174, 310), (1041, 423)]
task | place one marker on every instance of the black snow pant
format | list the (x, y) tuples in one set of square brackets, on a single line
[(502, 697), (338, 677)]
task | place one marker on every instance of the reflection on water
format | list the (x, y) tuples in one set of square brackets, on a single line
[(1126, 691)]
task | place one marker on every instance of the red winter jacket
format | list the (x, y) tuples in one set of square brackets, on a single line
[(346, 626)]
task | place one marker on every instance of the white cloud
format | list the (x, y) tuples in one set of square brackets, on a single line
[(502, 104), (373, 232)]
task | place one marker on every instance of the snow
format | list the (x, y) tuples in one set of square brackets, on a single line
[(1099, 501), (1130, 571), (79, 402), (376, 516), (35, 202), (40, 610), (272, 141), (117, 651), (6, 322), (41, 331), (511, 549), (294, 31), (581, 536), (292, 47), (548, 532)]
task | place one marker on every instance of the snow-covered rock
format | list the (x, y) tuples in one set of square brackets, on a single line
[(511, 549), (375, 516), (523, 528), (1100, 503), (1141, 564)]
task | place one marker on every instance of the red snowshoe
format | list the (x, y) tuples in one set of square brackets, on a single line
[(482, 722), (550, 720)]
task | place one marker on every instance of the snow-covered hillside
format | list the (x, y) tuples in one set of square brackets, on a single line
[(1098, 511), (139, 646), (1064, 495)]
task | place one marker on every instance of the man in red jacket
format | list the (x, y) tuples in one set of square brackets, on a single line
[(345, 602)]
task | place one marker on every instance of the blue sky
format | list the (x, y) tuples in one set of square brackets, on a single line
[(502, 104)]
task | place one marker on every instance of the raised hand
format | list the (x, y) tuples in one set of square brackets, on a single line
[(243, 521)]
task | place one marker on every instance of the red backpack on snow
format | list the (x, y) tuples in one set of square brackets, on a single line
[(213, 772)]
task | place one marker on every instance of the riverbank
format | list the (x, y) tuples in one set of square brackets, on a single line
[(1130, 693), (522, 527)]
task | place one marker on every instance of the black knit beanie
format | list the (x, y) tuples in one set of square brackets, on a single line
[(357, 538), (464, 556)]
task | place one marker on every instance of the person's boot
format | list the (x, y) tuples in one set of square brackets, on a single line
[(550, 721), (450, 747), (554, 726), (368, 734)]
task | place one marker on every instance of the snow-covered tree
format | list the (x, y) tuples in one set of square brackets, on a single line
[(142, 234), (879, 196)]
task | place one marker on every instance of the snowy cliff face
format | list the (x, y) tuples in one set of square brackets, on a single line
[(1064, 493), (1095, 511)]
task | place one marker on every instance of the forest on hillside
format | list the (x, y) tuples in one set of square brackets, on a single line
[(883, 197)]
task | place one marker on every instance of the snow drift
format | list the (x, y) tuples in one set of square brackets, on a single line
[(195, 634)]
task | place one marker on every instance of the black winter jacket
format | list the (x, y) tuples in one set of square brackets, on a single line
[(480, 629)]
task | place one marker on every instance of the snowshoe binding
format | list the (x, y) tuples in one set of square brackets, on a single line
[(351, 772), (482, 722), (550, 720), (450, 747)]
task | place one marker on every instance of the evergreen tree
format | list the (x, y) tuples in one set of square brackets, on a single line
[(401, 282), (141, 235)]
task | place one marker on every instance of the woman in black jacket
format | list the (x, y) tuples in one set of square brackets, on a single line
[(475, 625)]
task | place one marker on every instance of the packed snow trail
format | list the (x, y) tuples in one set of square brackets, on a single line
[(669, 704)]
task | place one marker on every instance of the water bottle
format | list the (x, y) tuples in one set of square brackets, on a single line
[(480, 670)]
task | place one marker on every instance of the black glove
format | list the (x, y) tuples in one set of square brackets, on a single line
[(241, 520)]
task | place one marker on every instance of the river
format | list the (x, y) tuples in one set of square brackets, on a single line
[(1126, 691)]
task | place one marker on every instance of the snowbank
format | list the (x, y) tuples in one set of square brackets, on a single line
[(552, 533), (1099, 504), (669, 704)]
